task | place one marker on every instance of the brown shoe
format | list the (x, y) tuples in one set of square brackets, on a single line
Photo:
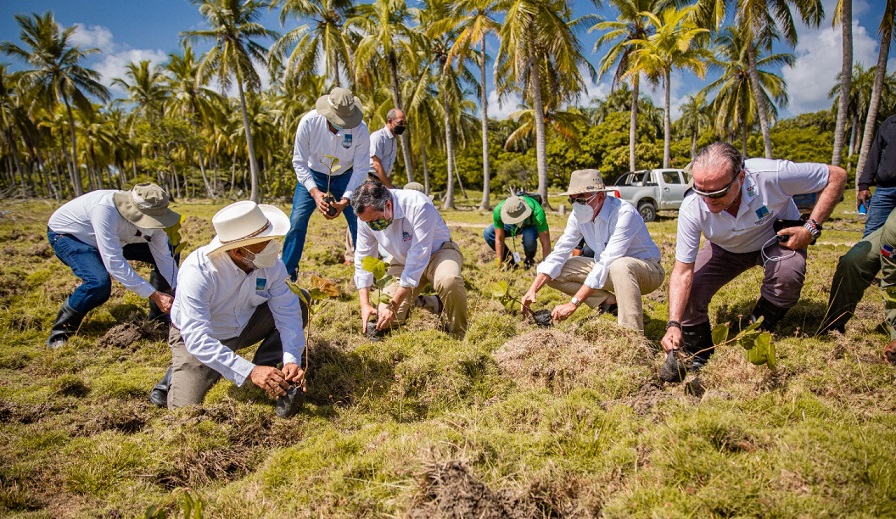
[(890, 352)]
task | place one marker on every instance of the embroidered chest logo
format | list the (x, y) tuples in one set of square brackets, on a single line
[(260, 283), (751, 190), (763, 214), (406, 236), (347, 141)]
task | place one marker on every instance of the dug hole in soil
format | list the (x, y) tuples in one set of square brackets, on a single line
[(126, 333)]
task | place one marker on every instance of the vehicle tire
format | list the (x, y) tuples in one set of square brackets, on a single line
[(647, 211)]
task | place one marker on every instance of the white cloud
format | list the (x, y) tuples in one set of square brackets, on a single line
[(500, 110), (114, 65), (93, 36), (818, 62)]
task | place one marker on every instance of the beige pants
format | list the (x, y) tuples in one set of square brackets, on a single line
[(628, 279), (444, 273), (349, 255)]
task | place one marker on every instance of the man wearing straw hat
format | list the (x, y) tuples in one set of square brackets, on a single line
[(330, 157), (96, 234), (626, 262), (518, 216), (232, 293)]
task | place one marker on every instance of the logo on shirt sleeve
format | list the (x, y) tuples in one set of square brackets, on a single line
[(886, 251), (406, 236), (260, 283)]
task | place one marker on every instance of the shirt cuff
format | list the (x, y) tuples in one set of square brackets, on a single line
[(144, 290), (242, 369), (363, 279), (309, 184), (549, 269), (347, 195), (406, 282)]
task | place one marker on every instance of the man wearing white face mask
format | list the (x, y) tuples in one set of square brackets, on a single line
[(233, 294), (96, 234), (626, 262)]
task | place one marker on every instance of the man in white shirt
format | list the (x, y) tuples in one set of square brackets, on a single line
[(383, 146), (331, 152), (96, 234), (626, 262), (735, 203), (407, 226), (232, 293)]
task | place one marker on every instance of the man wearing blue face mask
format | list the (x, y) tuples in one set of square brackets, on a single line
[(409, 228), (626, 262)]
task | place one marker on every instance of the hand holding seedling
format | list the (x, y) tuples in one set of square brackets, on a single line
[(272, 380), (672, 339), (294, 374), (367, 311), (163, 300)]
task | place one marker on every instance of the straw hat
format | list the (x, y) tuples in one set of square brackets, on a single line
[(341, 108), (585, 181), (146, 205), (244, 223), (515, 210)]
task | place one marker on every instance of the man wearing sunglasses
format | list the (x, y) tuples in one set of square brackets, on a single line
[(734, 204), (626, 262)]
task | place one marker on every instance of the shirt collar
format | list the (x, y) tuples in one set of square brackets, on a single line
[(388, 132), (397, 211)]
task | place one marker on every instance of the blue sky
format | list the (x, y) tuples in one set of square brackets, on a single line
[(135, 30)]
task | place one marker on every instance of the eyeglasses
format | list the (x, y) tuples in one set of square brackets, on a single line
[(716, 194), (582, 200)]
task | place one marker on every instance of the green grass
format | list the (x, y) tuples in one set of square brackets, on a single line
[(568, 422)]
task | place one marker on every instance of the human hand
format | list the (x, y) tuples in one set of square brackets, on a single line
[(366, 311), (528, 299), (562, 312), (162, 300), (293, 373), (270, 379), (797, 238), (385, 318), (672, 339), (863, 197), (338, 207)]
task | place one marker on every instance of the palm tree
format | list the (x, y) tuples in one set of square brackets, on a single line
[(233, 27), (57, 75), (694, 119), (672, 45), (843, 15), (536, 35), (475, 20), (146, 89), (886, 35), (630, 25), (387, 38), (324, 37)]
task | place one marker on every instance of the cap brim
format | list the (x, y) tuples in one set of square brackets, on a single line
[(130, 212), (352, 121), (510, 220), (279, 227)]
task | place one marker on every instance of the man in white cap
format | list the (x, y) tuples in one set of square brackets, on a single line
[(331, 158), (626, 262), (232, 293), (383, 147), (96, 234), (409, 228), (518, 216)]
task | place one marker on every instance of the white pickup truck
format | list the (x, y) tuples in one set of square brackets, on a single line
[(652, 190)]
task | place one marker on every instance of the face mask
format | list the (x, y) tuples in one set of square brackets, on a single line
[(146, 233), (336, 126), (398, 130), (381, 223), (266, 258), (584, 212)]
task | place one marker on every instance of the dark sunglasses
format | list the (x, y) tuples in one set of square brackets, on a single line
[(584, 200), (716, 194)]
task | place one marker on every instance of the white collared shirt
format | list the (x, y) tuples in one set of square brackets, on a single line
[(93, 219), (215, 301), (383, 145), (314, 141), (617, 231), (417, 230), (767, 195)]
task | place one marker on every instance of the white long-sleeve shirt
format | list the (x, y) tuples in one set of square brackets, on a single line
[(216, 299), (416, 232), (617, 231), (314, 141), (93, 219)]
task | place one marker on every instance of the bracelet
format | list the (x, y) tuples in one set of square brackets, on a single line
[(674, 324)]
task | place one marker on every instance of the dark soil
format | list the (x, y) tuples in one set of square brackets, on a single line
[(674, 369), (124, 334), (890, 353), (373, 334), (542, 318), (450, 490)]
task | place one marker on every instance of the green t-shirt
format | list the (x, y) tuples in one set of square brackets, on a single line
[(537, 218)]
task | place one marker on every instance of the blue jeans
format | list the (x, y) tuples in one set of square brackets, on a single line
[(530, 239), (86, 262), (882, 202), (303, 206)]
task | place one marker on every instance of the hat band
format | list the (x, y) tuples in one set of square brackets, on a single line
[(254, 234)]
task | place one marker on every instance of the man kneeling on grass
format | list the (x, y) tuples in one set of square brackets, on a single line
[(232, 293), (409, 228), (626, 262)]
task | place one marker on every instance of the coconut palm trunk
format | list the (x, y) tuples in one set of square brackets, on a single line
[(761, 107), (874, 102), (75, 172), (253, 165), (667, 122), (396, 98), (633, 125), (845, 81), (449, 153), (540, 141), (486, 176)]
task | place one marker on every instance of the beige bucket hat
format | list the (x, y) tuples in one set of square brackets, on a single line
[(146, 205), (515, 210), (585, 181), (244, 223), (341, 108)]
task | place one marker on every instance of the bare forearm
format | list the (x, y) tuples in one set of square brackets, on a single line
[(830, 195), (539, 282), (364, 296), (545, 239), (680, 289)]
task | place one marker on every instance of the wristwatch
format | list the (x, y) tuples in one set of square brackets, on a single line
[(575, 301), (814, 229)]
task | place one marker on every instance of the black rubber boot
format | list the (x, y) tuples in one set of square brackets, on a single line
[(698, 343), (159, 394), (67, 322), (771, 313)]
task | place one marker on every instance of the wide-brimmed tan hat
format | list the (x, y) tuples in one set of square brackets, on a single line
[(146, 205), (585, 181), (244, 223), (341, 108), (515, 210)]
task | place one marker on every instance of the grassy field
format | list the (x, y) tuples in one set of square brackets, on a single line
[(513, 421)]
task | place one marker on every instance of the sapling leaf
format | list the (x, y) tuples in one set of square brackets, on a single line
[(720, 333), (316, 294), (772, 358), (334, 163), (500, 289), (759, 353), (174, 237), (375, 266), (326, 287), (754, 325)]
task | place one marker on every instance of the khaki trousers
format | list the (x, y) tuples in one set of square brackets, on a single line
[(444, 273), (628, 280)]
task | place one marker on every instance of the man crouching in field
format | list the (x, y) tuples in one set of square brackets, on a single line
[(233, 294), (409, 228)]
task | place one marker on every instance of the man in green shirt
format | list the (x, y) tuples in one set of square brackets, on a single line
[(518, 216)]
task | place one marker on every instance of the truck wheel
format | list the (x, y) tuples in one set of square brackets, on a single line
[(647, 211)]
